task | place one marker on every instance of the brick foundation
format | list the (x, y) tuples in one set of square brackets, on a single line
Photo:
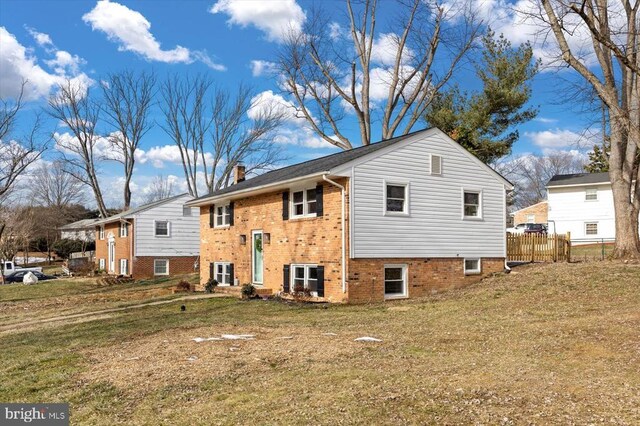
[(178, 265), (424, 276)]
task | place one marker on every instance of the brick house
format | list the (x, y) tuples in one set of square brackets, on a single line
[(160, 238), (535, 213), (400, 218)]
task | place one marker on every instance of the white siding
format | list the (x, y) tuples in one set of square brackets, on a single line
[(435, 226), (184, 239), (570, 211)]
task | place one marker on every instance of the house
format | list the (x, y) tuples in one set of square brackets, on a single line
[(535, 213), (400, 218), (83, 230), (160, 238), (582, 204)]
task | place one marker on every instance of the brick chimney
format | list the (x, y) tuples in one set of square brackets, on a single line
[(238, 173)]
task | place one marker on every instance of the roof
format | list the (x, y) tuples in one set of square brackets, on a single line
[(528, 207), (311, 167), (579, 179), (79, 224), (128, 213)]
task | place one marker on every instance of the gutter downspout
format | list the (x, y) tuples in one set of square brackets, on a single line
[(342, 230)]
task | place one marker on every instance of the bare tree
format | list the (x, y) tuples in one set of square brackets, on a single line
[(128, 98), (73, 106), (214, 132), (160, 188), (614, 33), (17, 152), (326, 72), (531, 173), (52, 186)]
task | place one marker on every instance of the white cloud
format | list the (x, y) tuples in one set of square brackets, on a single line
[(43, 40), (259, 68), (385, 49), (131, 30), (556, 139), (17, 63), (546, 120), (275, 17), (159, 155), (335, 31)]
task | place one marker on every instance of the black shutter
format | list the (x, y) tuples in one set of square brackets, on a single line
[(210, 270), (286, 278), (212, 210), (231, 282), (285, 205), (231, 213), (319, 208), (320, 281)]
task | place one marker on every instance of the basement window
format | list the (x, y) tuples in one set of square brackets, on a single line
[(223, 273), (395, 281), (304, 277), (472, 266), (160, 267)]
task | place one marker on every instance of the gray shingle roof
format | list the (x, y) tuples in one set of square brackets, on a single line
[(310, 167), (79, 224), (579, 179), (139, 209)]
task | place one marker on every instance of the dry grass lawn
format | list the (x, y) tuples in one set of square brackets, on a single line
[(547, 344)]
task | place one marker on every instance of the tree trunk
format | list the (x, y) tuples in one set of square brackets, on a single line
[(627, 245)]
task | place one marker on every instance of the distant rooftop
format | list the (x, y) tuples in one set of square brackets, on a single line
[(579, 179)]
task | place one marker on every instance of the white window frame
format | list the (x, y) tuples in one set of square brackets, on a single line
[(125, 270), (586, 224), (102, 264), (155, 261), (475, 271), (306, 267), (405, 281), (101, 232), (155, 229), (124, 229), (591, 191), (305, 203), (480, 213), (407, 191), (224, 274), (433, 157), (226, 215)]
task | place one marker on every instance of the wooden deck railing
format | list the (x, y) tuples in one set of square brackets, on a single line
[(538, 247)]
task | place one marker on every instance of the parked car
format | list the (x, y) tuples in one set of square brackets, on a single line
[(8, 268), (17, 276), (535, 228), (519, 228)]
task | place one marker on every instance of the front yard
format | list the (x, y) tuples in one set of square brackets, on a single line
[(555, 343)]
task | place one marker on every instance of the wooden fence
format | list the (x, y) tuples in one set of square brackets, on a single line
[(538, 248)]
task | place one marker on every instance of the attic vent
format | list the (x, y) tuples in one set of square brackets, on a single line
[(436, 164)]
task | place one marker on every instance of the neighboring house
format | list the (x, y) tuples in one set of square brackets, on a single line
[(160, 238), (83, 230), (583, 205), (399, 218), (536, 213)]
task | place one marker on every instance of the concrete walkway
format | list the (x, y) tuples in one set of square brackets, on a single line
[(89, 316)]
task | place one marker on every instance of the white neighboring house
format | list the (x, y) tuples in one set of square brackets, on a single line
[(583, 205), (83, 230)]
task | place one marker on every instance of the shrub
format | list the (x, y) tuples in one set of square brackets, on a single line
[(183, 286), (211, 285), (248, 291), (64, 247)]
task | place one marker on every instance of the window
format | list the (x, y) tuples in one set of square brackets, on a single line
[(436, 164), (303, 203), (223, 273), (124, 229), (124, 270), (472, 266), (304, 277), (101, 264), (101, 233), (591, 194), (531, 218), (162, 228), (223, 215), (396, 198), (472, 206), (591, 228), (395, 281), (160, 267), (186, 211)]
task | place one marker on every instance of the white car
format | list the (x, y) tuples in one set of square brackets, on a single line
[(518, 229)]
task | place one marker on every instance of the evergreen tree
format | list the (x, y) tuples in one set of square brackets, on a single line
[(483, 122), (599, 159)]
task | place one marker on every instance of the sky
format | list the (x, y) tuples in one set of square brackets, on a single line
[(233, 42)]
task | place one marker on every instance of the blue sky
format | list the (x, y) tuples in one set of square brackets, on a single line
[(44, 41)]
